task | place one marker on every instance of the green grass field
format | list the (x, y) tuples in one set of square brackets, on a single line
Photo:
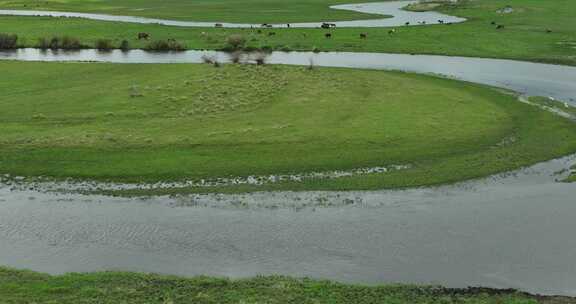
[(241, 11), (18, 287), (139, 122), (524, 36)]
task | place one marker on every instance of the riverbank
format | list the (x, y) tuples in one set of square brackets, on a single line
[(338, 129), (18, 286), (540, 31)]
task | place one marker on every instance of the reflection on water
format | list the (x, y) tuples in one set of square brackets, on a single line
[(528, 78), (392, 9)]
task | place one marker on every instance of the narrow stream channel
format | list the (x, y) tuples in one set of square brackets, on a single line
[(536, 79)]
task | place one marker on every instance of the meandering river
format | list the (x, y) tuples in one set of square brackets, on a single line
[(514, 230), (537, 79), (510, 230), (505, 231), (392, 10)]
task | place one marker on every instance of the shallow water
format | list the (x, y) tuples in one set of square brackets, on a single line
[(513, 230), (392, 8), (555, 81)]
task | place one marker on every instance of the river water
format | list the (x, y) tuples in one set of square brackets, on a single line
[(513, 230), (538, 79), (395, 16)]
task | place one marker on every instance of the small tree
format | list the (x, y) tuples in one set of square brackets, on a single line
[(124, 45)]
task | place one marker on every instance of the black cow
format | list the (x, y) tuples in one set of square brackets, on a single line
[(145, 36)]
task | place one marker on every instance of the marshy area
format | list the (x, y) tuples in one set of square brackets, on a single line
[(269, 137)]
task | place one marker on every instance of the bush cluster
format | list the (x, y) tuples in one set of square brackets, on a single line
[(64, 42), (166, 45), (8, 41)]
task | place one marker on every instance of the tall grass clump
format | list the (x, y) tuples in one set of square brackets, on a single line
[(8, 41), (124, 45), (56, 42), (235, 42), (104, 44), (165, 45)]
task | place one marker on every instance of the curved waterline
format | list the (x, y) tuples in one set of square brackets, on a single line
[(392, 8), (527, 78), (510, 230)]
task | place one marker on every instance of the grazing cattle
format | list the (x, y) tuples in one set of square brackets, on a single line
[(218, 25), (143, 36), (288, 25), (266, 25), (407, 23), (328, 35), (548, 31), (441, 21), (392, 31), (271, 33), (363, 35), (500, 27), (328, 25)]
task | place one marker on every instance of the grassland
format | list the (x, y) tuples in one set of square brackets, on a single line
[(554, 104), (572, 177), (247, 11), (113, 287), (524, 37), (146, 123)]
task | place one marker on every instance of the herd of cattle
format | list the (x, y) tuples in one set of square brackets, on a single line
[(326, 25)]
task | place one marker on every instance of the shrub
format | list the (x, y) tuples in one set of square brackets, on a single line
[(8, 41), (236, 41), (165, 45), (43, 43), (70, 43), (124, 45), (104, 44), (56, 42)]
